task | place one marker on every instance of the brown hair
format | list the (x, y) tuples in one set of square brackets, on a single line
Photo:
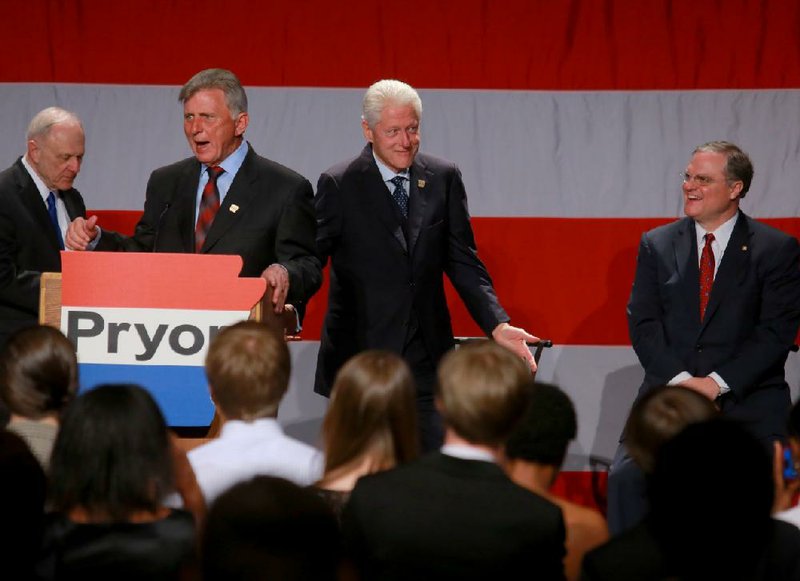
[(38, 372), (372, 411), (248, 367), (482, 391), (658, 416), (738, 166)]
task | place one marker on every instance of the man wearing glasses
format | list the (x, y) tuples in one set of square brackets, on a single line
[(715, 307)]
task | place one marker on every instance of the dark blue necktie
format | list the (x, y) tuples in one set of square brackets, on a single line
[(51, 209), (399, 194)]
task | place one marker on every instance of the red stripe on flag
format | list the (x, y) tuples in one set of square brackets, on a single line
[(566, 279), (514, 44)]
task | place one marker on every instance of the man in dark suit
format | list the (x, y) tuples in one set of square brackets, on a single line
[(393, 222), (224, 200), (37, 203), (454, 514), (715, 304)]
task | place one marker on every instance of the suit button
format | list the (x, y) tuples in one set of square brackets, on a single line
[(411, 284), (698, 347)]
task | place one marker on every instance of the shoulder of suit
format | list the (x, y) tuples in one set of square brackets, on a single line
[(671, 229), (435, 163), (179, 167), (15, 177), (273, 168), (759, 228), (357, 164)]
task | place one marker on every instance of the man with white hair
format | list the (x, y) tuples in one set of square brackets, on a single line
[(393, 221), (37, 203)]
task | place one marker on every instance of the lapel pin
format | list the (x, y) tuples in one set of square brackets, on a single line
[(420, 183), (744, 248), (233, 209)]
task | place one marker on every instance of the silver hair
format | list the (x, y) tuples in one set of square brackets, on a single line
[(222, 79), (388, 91), (45, 119)]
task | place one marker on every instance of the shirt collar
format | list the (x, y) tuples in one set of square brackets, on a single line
[(721, 235), (44, 191), (233, 162), (386, 173), (467, 452)]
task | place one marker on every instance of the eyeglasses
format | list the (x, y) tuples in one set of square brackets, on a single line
[(699, 179)]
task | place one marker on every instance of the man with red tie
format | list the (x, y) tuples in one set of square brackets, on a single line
[(715, 307), (225, 199)]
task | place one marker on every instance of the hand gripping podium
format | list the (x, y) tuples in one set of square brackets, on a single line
[(147, 318)]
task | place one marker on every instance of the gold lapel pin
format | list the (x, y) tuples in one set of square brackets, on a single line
[(233, 209), (420, 183)]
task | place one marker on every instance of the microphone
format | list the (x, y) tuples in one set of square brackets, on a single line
[(158, 224)]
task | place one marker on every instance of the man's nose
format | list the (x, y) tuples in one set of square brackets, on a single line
[(405, 139), (74, 165)]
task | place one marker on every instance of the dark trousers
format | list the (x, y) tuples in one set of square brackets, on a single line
[(431, 429)]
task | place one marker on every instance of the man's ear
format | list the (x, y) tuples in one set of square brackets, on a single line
[(34, 151), (242, 120), (736, 189), (367, 131)]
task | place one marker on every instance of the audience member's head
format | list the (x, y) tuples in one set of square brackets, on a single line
[(482, 392), (658, 416), (248, 368), (372, 414), (546, 429), (112, 457), (22, 495), (269, 528), (38, 373), (711, 498)]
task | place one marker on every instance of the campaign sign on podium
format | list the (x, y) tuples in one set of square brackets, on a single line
[(147, 318)]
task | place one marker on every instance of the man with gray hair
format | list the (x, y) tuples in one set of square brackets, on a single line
[(393, 221), (225, 199), (37, 203)]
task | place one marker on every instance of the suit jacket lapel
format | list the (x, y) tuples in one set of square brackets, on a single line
[(185, 205), (375, 196), (32, 200), (240, 195), (686, 264), (419, 192), (733, 267), (72, 204)]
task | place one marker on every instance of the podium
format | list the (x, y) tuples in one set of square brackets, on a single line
[(147, 318)]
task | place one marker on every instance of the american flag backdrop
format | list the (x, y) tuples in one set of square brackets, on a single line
[(570, 119)]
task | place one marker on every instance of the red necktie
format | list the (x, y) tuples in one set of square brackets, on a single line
[(706, 274), (209, 204)]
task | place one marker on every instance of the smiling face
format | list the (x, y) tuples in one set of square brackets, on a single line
[(395, 137), (213, 133), (708, 197), (56, 156)]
